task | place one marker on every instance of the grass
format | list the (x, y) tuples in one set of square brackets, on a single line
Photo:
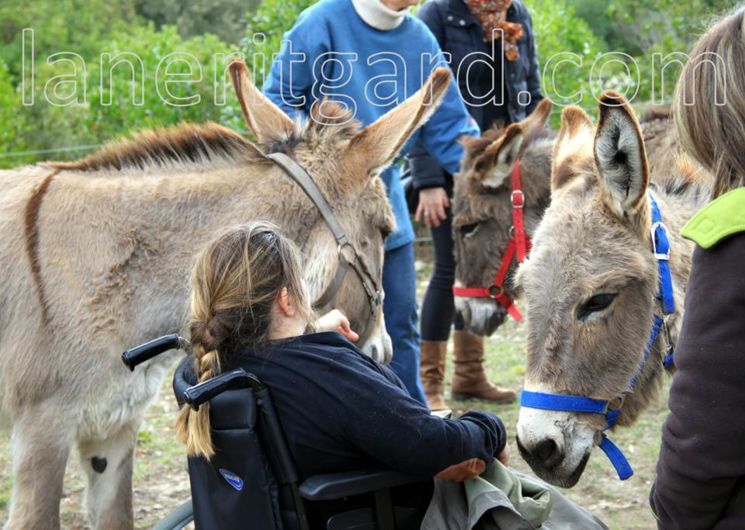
[(161, 482)]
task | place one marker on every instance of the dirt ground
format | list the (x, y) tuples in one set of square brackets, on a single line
[(161, 482)]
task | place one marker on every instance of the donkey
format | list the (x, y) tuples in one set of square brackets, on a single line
[(95, 257), (482, 223), (591, 284)]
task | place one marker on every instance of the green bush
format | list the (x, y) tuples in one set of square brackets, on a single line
[(577, 31), (11, 122), (265, 30), (567, 49), (60, 25), (69, 113), (224, 18), (651, 33), (661, 28), (161, 102)]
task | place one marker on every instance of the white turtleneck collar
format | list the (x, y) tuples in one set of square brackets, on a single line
[(378, 15)]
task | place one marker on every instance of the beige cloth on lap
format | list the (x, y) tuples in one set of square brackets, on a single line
[(502, 498)]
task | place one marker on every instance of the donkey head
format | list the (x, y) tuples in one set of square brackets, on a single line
[(590, 285), (482, 211), (344, 162)]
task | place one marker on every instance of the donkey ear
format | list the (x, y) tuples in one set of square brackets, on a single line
[(494, 165), (262, 116), (538, 117), (573, 146), (376, 146), (620, 155)]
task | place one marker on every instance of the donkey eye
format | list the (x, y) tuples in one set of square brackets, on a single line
[(466, 230), (595, 304)]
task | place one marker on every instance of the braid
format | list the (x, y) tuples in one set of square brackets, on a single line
[(193, 427)]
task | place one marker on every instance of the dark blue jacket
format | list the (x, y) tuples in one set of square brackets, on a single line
[(516, 85), (342, 411)]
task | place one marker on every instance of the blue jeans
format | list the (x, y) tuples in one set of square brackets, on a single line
[(399, 309)]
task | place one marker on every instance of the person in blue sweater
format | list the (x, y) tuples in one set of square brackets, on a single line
[(369, 55)]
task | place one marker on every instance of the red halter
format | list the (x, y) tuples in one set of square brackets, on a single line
[(517, 248)]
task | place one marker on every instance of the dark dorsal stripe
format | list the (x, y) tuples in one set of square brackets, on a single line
[(31, 226)]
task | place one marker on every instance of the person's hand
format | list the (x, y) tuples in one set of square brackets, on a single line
[(466, 470), (432, 205), (335, 320), (504, 456)]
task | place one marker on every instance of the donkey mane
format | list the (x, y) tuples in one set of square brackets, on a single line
[(687, 181), (656, 112), (188, 142), (329, 123)]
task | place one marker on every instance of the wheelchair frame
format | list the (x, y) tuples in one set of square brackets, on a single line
[(317, 488)]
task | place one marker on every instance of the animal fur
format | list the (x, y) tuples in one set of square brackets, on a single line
[(595, 238), (96, 255), (482, 216)]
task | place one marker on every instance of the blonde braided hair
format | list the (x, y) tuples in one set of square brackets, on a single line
[(235, 281)]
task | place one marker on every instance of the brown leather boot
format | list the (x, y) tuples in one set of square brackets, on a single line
[(432, 372), (470, 381)]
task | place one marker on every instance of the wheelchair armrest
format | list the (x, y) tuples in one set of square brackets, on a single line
[(332, 486)]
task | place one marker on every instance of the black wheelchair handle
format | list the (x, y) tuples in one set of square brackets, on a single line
[(143, 352), (239, 378)]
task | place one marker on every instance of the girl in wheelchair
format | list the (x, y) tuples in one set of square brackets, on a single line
[(340, 410)]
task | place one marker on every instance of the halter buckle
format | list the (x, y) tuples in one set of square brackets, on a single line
[(517, 198), (346, 251), (495, 291), (659, 225)]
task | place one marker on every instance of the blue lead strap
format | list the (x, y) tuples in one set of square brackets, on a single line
[(656, 327), (669, 360), (661, 247), (616, 458), (562, 402)]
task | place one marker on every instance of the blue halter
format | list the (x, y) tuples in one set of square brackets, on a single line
[(581, 404)]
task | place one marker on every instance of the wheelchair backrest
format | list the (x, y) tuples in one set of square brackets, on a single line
[(242, 486)]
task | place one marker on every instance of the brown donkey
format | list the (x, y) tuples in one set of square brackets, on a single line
[(591, 284), (95, 258), (482, 208)]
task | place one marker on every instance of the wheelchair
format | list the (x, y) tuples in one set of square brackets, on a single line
[(252, 481)]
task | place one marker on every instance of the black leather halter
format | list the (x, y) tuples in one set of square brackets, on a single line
[(348, 255)]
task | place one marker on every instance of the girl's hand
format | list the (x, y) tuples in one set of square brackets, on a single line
[(335, 320), (466, 470), (504, 456)]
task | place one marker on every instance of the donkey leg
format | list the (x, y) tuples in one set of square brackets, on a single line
[(41, 441), (108, 466)]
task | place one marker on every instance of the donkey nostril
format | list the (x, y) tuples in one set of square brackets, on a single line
[(374, 352), (548, 453)]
